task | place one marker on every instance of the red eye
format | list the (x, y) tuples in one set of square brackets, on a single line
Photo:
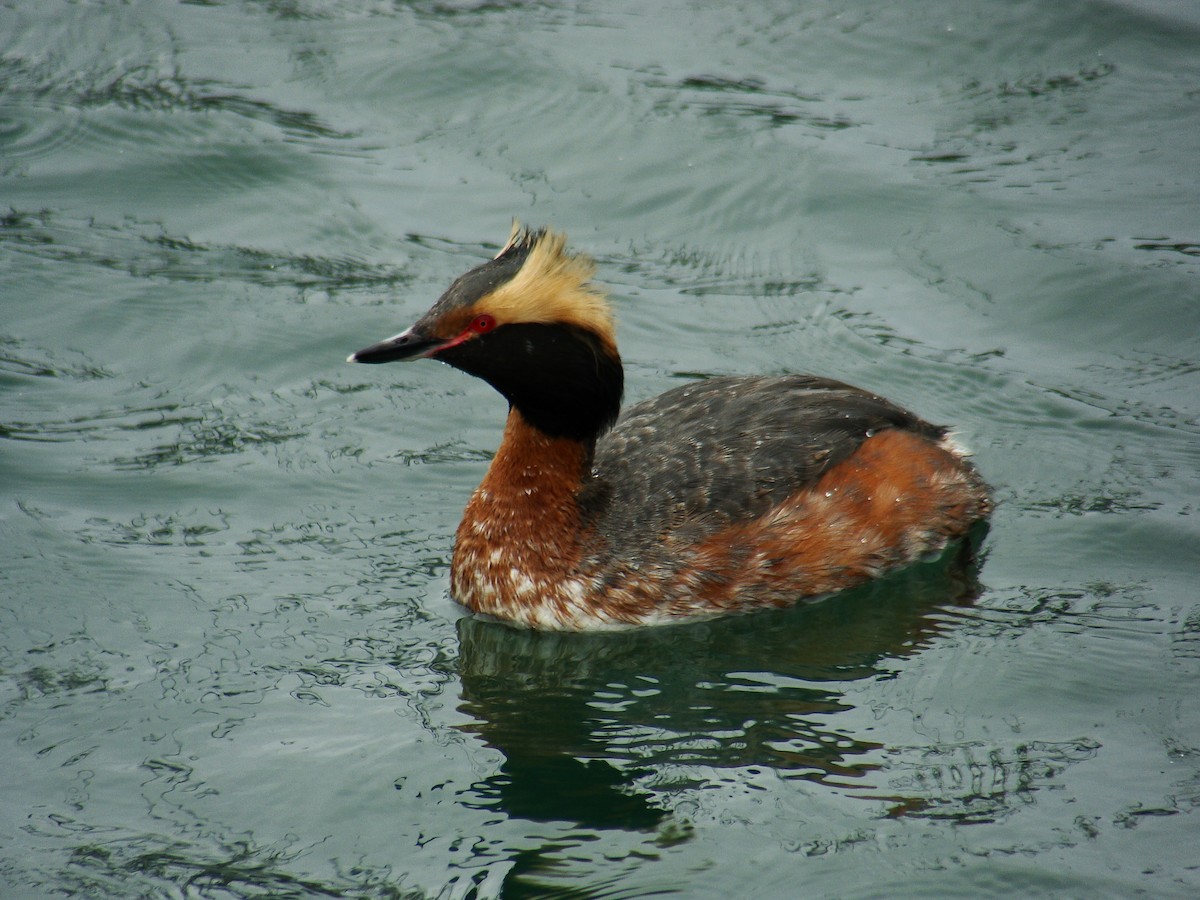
[(483, 323)]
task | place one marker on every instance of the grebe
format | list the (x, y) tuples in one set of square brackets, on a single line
[(727, 494)]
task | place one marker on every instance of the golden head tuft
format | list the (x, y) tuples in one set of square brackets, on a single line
[(551, 287)]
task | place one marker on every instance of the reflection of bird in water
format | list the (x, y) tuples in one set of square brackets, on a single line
[(584, 720), (725, 494)]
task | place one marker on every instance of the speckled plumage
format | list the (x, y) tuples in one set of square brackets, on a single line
[(720, 495), (716, 451)]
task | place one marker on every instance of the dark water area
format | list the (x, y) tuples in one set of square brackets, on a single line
[(229, 664)]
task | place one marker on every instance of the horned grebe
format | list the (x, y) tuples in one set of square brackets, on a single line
[(727, 494)]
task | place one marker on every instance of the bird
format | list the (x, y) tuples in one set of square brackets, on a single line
[(722, 495)]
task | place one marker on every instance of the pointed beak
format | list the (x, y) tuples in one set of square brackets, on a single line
[(409, 344)]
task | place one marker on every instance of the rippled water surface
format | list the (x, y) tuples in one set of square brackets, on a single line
[(229, 666)]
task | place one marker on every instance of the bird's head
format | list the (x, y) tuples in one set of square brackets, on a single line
[(530, 323)]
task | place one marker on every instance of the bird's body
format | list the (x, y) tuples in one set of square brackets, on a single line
[(722, 495)]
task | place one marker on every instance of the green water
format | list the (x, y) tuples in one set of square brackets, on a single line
[(229, 666)]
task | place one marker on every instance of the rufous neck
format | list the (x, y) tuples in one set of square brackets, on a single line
[(531, 462)]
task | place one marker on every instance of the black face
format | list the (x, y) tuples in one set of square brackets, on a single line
[(560, 377)]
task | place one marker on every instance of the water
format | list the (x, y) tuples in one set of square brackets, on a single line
[(228, 663)]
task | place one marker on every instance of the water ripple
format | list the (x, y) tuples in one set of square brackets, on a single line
[(98, 424), (145, 250), (974, 783), (205, 437), (747, 98), (18, 360), (44, 84)]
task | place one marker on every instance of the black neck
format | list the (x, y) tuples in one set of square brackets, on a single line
[(561, 378)]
